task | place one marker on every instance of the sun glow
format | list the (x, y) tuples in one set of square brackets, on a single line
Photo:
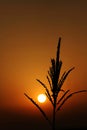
[(41, 98)]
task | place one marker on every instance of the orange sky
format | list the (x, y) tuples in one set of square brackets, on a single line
[(29, 33)]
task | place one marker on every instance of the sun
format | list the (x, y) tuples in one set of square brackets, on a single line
[(41, 98)]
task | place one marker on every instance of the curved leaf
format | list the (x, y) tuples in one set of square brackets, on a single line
[(43, 113), (46, 90), (64, 76), (49, 83), (70, 95), (62, 97)]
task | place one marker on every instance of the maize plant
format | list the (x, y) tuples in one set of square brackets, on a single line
[(55, 82)]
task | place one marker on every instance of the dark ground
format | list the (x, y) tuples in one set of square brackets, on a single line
[(21, 122)]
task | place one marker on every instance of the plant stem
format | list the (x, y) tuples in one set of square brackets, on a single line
[(54, 115)]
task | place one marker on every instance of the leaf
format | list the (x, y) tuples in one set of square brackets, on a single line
[(46, 90), (43, 113), (50, 74), (49, 83), (63, 78), (62, 96), (70, 95), (49, 98)]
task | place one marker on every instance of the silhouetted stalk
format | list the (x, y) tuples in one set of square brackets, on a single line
[(55, 82), (54, 115)]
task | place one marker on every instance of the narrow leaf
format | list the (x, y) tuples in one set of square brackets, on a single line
[(49, 98), (43, 113), (50, 75), (64, 76), (70, 95), (62, 97), (46, 90), (49, 83)]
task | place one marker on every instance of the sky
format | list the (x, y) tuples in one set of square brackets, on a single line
[(29, 32)]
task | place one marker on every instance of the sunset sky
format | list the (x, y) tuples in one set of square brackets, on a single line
[(29, 32)]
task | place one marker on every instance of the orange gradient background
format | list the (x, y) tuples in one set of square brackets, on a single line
[(29, 33)]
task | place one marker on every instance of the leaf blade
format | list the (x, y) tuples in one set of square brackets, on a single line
[(40, 109), (70, 95), (45, 89)]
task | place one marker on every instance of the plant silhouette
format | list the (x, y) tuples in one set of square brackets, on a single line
[(55, 82)]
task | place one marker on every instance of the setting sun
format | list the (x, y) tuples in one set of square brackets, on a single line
[(41, 98)]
